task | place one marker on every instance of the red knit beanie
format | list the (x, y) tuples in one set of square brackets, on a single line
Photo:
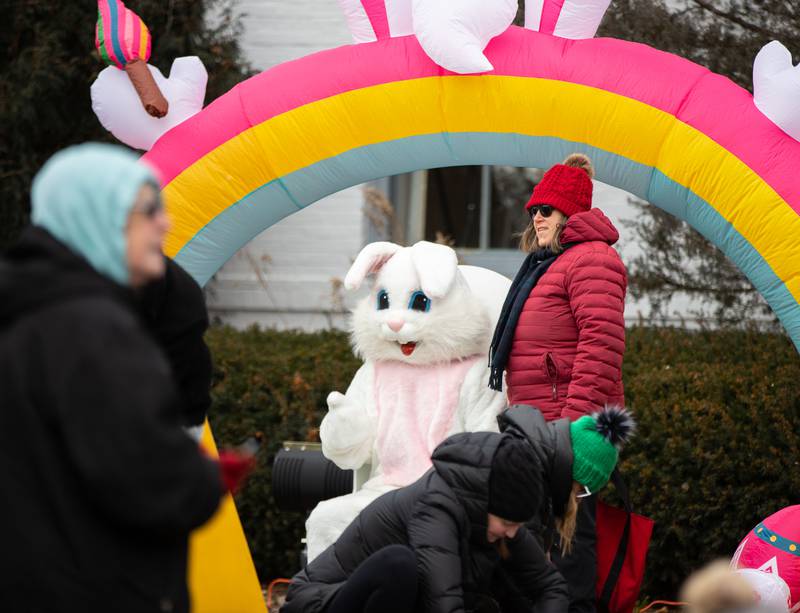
[(566, 186)]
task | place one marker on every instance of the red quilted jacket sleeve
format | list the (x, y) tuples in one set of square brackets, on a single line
[(596, 283)]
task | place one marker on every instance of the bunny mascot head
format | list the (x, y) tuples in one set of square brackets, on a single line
[(421, 309)]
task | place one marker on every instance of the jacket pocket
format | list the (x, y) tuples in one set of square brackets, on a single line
[(551, 370)]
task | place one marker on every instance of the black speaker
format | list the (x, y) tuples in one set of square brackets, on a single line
[(302, 477)]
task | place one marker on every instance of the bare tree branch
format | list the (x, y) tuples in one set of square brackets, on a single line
[(733, 17)]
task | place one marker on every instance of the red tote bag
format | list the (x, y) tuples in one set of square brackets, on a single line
[(622, 541)]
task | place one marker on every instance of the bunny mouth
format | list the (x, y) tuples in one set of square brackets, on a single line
[(408, 348)]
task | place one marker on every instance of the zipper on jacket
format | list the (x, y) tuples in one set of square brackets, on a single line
[(552, 373)]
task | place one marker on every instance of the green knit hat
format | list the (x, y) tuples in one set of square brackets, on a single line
[(596, 440)]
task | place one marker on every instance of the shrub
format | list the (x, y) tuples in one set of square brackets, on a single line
[(716, 451), (274, 383)]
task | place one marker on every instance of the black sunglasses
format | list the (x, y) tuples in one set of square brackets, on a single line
[(545, 209)]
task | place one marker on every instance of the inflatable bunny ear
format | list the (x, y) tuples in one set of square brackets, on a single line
[(369, 261), (776, 87), (436, 265), (574, 19), (455, 33)]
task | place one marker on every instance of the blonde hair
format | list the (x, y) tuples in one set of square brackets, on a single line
[(528, 241), (502, 549), (565, 525)]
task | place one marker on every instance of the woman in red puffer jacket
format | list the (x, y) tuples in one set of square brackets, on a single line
[(561, 335)]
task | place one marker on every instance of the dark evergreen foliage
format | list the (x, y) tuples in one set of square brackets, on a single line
[(48, 62)]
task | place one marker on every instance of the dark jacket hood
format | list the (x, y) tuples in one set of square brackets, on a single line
[(591, 225), (552, 443), (39, 270)]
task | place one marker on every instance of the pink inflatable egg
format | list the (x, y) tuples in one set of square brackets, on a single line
[(773, 546)]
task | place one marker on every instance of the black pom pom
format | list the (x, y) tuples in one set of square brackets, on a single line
[(616, 425)]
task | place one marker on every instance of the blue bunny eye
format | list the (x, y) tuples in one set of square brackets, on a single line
[(419, 302), (383, 300)]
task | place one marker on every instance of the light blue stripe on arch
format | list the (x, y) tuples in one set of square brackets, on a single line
[(232, 229), (238, 224), (685, 204), (214, 244)]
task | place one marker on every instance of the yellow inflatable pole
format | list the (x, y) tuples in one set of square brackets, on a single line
[(222, 577)]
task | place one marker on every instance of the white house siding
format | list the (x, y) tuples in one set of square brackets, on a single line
[(286, 277), (289, 276)]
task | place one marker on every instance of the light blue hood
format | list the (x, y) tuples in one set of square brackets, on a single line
[(83, 196)]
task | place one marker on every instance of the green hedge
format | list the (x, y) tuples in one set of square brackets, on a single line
[(717, 448), (274, 383)]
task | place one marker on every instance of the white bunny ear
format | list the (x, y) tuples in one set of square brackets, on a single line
[(363, 15), (574, 19), (436, 265), (369, 261), (454, 33), (776, 85), (772, 59)]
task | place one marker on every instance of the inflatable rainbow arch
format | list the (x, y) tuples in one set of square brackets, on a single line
[(665, 129)]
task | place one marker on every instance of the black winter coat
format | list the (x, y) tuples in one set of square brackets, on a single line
[(442, 517), (174, 310), (101, 485), (553, 445)]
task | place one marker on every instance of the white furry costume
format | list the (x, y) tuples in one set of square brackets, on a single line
[(425, 373)]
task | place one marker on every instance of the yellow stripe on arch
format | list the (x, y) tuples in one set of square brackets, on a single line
[(495, 104)]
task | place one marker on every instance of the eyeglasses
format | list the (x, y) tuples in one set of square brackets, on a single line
[(545, 209), (585, 493), (150, 209)]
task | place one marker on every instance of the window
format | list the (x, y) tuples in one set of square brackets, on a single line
[(478, 207)]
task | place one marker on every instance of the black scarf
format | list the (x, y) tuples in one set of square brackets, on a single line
[(528, 276)]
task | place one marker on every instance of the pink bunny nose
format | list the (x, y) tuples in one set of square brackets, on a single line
[(395, 324)]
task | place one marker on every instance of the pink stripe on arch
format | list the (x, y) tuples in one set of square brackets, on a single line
[(286, 87), (190, 140), (376, 11), (550, 14), (710, 103)]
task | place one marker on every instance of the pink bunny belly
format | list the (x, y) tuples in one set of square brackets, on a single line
[(416, 407)]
